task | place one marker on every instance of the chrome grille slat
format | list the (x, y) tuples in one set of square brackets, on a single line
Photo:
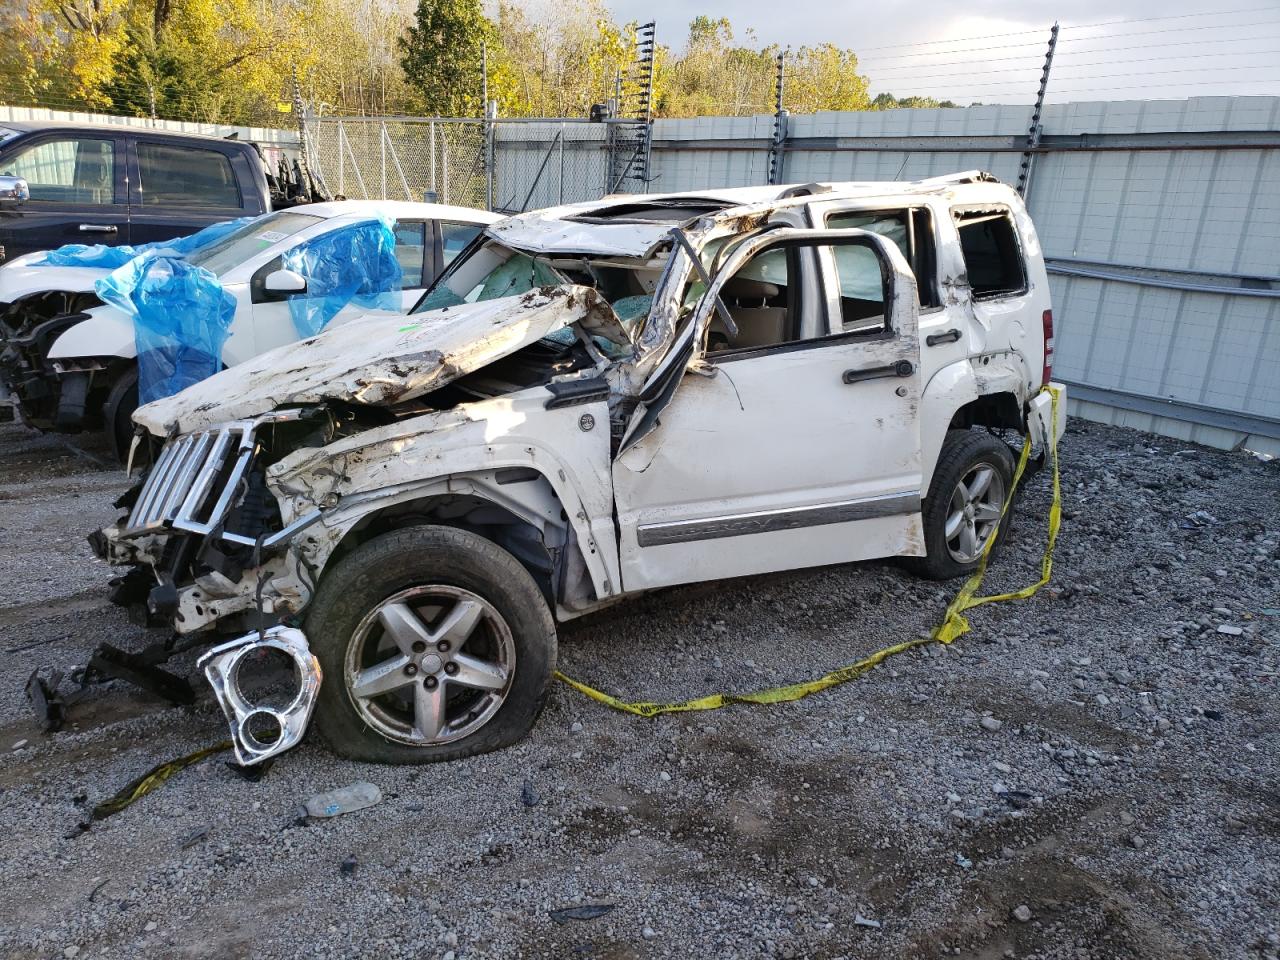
[(185, 474), (142, 509), (208, 473), (178, 491), (157, 511)]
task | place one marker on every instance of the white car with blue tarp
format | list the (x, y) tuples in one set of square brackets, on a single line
[(164, 322)]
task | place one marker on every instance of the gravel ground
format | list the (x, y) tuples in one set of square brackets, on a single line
[(1090, 773)]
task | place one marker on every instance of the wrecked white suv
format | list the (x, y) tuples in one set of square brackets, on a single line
[(591, 402)]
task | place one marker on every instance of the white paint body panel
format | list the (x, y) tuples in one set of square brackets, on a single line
[(107, 333), (18, 278), (403, 461), (800, 438), (384, 358)]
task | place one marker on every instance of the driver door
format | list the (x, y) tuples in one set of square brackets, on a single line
[(792, 440)]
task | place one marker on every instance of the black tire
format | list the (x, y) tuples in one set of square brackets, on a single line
[(962, 451), (412, 557), (117, 412)]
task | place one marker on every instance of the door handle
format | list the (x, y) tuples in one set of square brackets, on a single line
[(98, 228), (902, 368), (950, 336)]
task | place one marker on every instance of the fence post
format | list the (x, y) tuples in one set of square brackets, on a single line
[(382, 150), (304, 162), (490, 151), (1033, 134), (780, 118), (444, 166), (431, 139), (342, 160)]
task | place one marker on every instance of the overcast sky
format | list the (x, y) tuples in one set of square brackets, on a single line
[(1163, 48)]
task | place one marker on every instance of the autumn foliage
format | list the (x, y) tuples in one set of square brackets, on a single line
[(232, 61)]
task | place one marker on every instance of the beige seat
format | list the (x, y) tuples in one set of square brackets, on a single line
[(760, 311)]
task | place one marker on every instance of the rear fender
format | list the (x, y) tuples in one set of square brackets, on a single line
[(958, 384)]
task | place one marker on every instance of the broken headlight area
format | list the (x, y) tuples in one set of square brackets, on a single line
[(202, 529), (266, 685), (28, 329)]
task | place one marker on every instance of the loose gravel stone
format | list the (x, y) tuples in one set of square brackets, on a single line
[(872, 789)]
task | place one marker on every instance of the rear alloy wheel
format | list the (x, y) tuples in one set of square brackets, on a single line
[(962, 512), (974, 511), (435, 643)]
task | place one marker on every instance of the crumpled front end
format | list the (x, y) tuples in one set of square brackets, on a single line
[(207, 551), (49, 394), (205, 540)]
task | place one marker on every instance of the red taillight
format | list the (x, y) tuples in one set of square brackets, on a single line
[(1048, 348)]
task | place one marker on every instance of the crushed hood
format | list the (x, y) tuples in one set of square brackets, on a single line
[(18, 278), (382, 358)]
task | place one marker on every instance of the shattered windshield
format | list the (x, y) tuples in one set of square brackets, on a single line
[(252, 238), (492, 270)]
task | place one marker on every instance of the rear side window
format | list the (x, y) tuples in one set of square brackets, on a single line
[(992, 256), (454, 237), (411, 251), (910, 230), (186, 176), (80, 170)]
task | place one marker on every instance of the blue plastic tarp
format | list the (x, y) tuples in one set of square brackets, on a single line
[(354, 265), (110, 258), (181, 319)]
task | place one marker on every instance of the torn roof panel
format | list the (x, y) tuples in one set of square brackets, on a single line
[(583, 228), (381, 359)]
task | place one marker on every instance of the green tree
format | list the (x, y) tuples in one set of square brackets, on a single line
[(440, 55)]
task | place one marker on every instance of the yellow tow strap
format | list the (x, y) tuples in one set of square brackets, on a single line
[(153, 778), (953, 623)]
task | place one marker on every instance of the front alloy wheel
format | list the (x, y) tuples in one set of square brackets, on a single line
[(435, 644), (430, 665)]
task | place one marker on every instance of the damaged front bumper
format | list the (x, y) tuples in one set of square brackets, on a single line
[(209, 551), (260, 730)]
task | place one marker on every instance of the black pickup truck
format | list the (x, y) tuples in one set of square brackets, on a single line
[(98, 183)]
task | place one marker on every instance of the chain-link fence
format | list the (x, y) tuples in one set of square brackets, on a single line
[(542, 163), (401, 158), (507, 165)]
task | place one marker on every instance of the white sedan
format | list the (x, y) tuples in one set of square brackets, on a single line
[(97, 358)]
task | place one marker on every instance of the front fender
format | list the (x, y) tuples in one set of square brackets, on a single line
[(107, 333), (444, 452)]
